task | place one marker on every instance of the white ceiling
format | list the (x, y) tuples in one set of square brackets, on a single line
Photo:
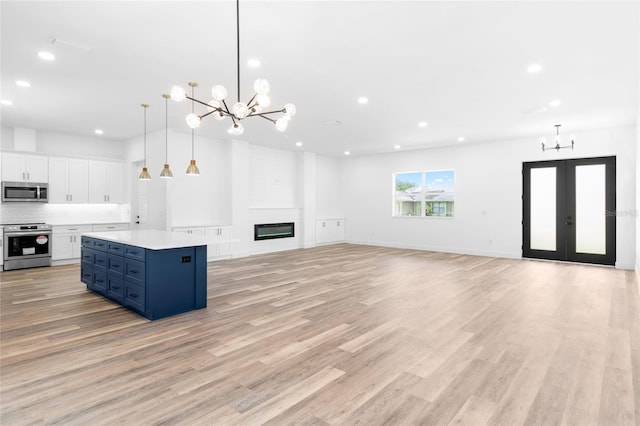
[(460, 66)]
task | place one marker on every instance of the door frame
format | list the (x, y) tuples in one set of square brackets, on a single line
[(565, 204)]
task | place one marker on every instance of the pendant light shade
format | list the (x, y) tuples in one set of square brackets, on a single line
[(166, 171), (144, 174), (192, 170)]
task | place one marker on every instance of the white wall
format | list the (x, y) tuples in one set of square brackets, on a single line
[(274, 187), (488, 209), (328, 199), (184, 200)]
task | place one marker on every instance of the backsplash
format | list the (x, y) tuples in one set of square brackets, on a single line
[(63, 214)]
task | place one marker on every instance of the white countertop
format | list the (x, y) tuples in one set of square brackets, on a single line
[(150, 238)]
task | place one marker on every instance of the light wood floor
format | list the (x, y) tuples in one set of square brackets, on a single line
[(338, 335)]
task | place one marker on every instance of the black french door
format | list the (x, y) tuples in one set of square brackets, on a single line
[(569, 210)]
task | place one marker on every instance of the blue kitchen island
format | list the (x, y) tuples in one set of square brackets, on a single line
[(154, 273)]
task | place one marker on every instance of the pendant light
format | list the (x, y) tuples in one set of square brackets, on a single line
[(144, 174), (255, 107), (192, 170), (557, 147), (166, 171)]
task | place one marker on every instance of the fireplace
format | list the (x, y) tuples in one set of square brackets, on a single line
[(269, 231)]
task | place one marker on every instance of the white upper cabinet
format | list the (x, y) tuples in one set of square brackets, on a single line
[(68, 180), (106, 182), (24, 168)]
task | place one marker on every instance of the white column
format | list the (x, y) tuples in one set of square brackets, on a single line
[(240, 169)]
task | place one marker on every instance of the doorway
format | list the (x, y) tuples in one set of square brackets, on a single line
[(569, 210)]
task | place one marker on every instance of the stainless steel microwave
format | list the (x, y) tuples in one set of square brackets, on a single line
[(25, 191)]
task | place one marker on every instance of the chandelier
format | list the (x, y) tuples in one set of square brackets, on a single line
[(218, 108), (557, 147)]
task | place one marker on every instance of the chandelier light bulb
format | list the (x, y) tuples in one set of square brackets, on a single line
[(261, 86), (219, 93), (178, 94), (263, 100), (218, 115), (240, 110), (212, 105), (236, 129), (193, 120), (256, 109), (282, 123), (289, 110)]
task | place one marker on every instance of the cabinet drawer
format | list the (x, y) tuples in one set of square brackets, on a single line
[(100, 259), (134, 296), (134, 252), (134, 271), (87, 242), (99, 281), (116, 265), (86, 274), (116, 248), (100, 245), (87, 255), (115, 288)]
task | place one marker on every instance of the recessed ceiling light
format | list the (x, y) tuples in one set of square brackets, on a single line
[(23, 83), (298, 143), (46, 56), (534, 68), (460, 139), (362, 100), (396, 147), (555, 102), (347, 153), (6, 102), (423, 124), (253, 63), (98, 132)]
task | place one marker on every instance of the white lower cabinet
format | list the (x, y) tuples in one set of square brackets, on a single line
[(219, 244), (65, 241), (191, 230), (1, 248), (103, 227), (329, 231)]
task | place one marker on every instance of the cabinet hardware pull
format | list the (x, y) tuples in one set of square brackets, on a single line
[(115, 266), (115, 287), (133, 295), (133, 271)]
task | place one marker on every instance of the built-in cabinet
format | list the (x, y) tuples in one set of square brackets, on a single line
[(71, 180), (106, 182), (68, 180), (24, 168), (66, 239), (329, 231), (219, 239)]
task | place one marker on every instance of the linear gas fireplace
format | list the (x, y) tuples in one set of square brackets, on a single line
[(268, 231)]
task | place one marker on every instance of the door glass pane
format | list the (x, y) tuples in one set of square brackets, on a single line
[(543, 209), (590, 220)]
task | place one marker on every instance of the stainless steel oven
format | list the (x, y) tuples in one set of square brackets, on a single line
[(26, 245)]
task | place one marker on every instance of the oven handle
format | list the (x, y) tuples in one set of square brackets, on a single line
[(25, 234)]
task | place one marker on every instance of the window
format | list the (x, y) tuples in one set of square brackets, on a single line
[(421, 194)]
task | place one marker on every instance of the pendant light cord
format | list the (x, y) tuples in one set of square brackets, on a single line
[(238, 43), (145, 136), (166, 130)]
